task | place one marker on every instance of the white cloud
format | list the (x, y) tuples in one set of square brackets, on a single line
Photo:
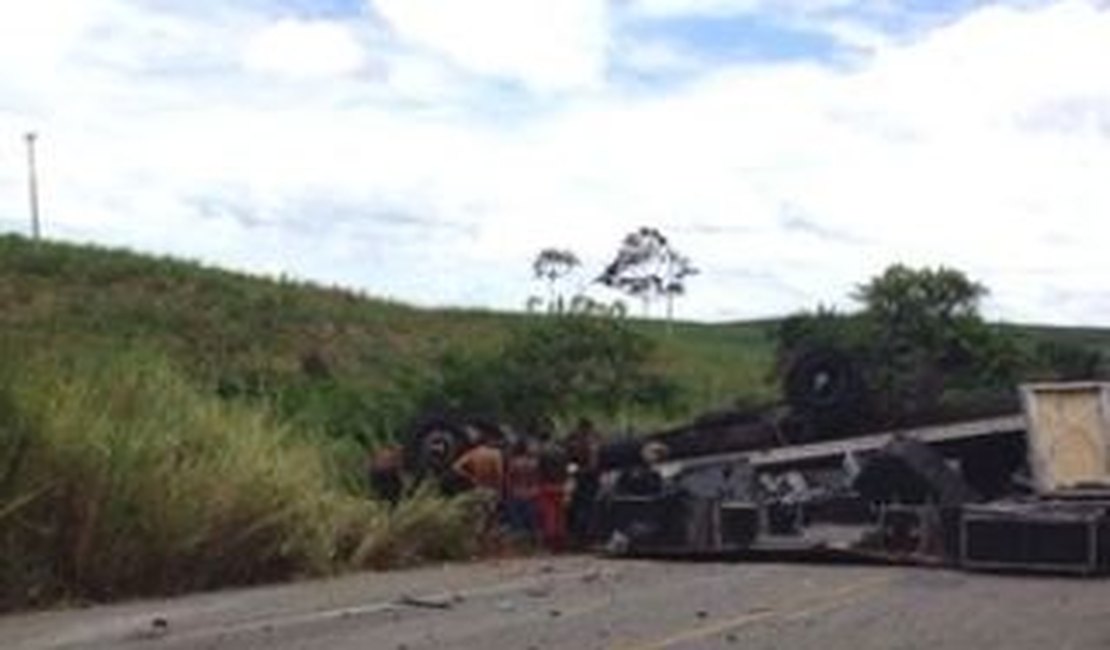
[(672, 8), (305, 48), (542, 44), (786, 183)]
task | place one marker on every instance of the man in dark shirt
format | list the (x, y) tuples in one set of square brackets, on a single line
[(584, 450), (384, 471)]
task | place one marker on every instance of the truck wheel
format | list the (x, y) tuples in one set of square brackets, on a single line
[(825, 386), (433, 446)]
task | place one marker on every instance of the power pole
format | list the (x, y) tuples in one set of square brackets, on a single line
[(33, 185)]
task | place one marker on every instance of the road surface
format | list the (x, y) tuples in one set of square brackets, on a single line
[(584, 603)]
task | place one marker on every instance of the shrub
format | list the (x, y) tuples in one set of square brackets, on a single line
[(556, 367), (423, 527)]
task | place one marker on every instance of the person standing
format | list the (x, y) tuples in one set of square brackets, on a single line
[(522, 489), (584, 452), (482, 467), (384, 473), (551, 497)]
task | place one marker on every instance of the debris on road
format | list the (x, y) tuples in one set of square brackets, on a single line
[(156, 628), (433, 601)]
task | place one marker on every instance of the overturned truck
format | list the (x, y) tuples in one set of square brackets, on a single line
[(1027, 489)]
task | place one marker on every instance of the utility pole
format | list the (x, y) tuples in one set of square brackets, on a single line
[(33, 185)]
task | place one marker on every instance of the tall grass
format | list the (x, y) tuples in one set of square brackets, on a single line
[(117, 477)]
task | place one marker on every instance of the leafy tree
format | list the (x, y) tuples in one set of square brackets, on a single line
[(926, 325), (647, 267), (918, 333), (923, 304), (551, 266)]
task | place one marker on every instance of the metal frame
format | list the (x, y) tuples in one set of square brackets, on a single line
[(1089, 566)]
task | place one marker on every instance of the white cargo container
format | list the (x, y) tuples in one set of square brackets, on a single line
[(1068, 434)]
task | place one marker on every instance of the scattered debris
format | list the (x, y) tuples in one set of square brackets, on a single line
[(157, 628), (433, 601)]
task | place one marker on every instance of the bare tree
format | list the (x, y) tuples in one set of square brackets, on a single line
[(648, 267), (551, 266)]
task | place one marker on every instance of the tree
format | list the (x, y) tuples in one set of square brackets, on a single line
[(925, 302), (926, 329), (555, 368), (551, 266), (918, 334), (647, 267)]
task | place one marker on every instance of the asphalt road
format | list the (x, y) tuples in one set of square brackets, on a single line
[(582, 603)]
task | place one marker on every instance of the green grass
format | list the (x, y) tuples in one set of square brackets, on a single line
[(719, 364), (119, 478), (247, 335)]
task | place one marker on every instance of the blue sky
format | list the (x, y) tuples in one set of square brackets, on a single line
[(749, 37), (425, 150)]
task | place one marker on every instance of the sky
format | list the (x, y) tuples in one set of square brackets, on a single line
[(427, 150)]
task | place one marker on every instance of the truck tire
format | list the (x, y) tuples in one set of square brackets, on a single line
[(825, 386), (433, 445)]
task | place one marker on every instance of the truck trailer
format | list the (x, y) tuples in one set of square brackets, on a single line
[(1027, 490)]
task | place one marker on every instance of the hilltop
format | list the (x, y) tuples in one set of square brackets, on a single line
[(341, 351)]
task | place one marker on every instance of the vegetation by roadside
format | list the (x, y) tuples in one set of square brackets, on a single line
[(168, 427), (119, 478)]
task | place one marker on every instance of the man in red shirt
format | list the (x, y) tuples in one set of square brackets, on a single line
[(522, 488), (551, 500)]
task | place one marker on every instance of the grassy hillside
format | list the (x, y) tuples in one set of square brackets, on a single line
[(335, 356), (239, 334)]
